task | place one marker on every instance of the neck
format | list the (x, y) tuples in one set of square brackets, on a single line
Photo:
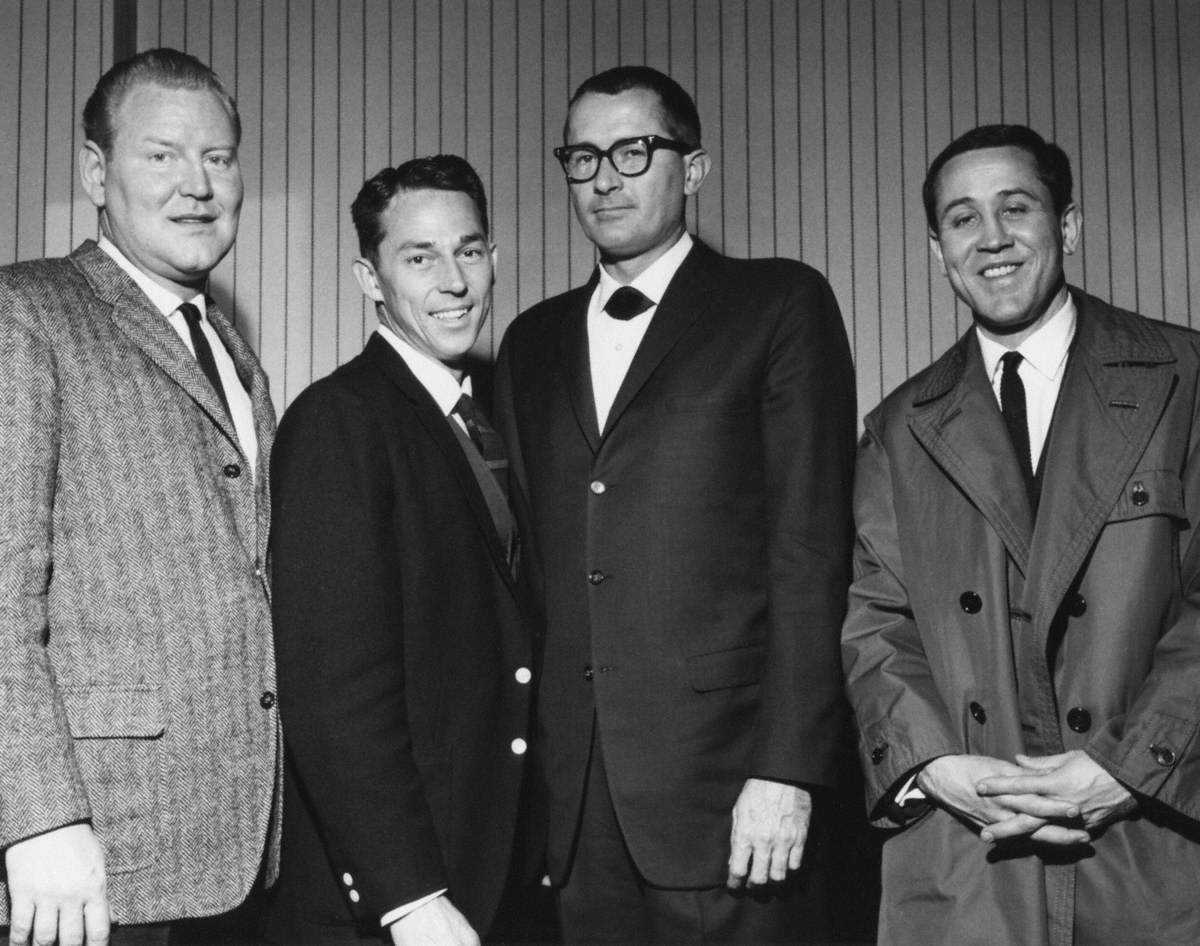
[(1013, 336), (626, 271)]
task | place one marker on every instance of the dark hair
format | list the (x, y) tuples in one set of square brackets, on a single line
[(164, 67), (442, 172), (1052, 164), (680, 117)]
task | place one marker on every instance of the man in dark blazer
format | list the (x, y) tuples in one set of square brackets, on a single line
[(404, 641), (683, 425), (139, 756), (1023, 640)]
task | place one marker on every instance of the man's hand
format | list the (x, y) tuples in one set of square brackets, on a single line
[(770, 825), (436, 923), (57, 885), (1071, 780)]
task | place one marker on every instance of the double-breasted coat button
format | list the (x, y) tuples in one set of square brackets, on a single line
[(347, 880), (596, 577), (587, 672), (518, 746), (879, 753), (970, 602), (1163, 755), (1079, 719), (977, 712), (523, 675), (1076, 605), (232, 470), (354, 897), (1139, 495), (597, 487), (267, 700)]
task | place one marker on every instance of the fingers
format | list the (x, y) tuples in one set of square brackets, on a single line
[(1043, 763), (45, 925), (20, 921), (70, 925), (739, 862), (1061, 835), (1013, 827), (1039, 806), (1016, 785), (97, 922)]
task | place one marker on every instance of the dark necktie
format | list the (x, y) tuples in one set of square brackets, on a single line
[(204, 353), (625, 303), (486, 440), (1012, 406)]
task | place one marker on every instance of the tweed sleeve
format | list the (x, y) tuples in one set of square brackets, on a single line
[(40, 785)]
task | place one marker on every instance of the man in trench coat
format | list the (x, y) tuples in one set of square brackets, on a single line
[(1022, 647)]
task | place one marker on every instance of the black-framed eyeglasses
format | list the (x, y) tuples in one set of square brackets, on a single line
[(630, 156)]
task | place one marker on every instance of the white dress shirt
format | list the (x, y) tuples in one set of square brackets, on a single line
[(445, 390), (1043, 364), (612, 343), (167, 303)]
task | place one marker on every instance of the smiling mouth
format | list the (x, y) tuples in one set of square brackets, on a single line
[(999, 270), (194, 219), (452, 315)]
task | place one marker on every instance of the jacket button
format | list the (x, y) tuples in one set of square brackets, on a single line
[(977, 712), (878, 753), (597, 487), (523, 675), (518, 746), (587, 673), (1076, 605), (1079, 719), (232, 470), (596, 577), (1139, 495), (1163, 755), (970, 602), (354, 896), (267, 700)]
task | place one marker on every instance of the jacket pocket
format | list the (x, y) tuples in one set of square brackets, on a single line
[(726, 668), (1150, 493), (118, 732)]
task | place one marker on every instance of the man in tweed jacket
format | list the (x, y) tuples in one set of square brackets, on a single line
[(138, 755)]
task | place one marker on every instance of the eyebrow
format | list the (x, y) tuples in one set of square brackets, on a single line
[(970, 201), (476, 237)]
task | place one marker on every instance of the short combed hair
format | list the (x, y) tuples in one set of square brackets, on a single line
[(442, 172), (164, 67), (1052, 164), (679, 111)]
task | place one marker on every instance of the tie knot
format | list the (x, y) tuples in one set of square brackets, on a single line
[(465, 408), (1011, 360), (190, 313), (626, 302)]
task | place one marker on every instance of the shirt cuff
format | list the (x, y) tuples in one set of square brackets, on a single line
[(405, 909)]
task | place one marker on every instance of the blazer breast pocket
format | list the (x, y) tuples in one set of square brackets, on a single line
[(117, 732)]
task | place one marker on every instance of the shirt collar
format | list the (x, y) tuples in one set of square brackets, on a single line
[(657, 276), (433, 375), (162, 298), (1045, 350)]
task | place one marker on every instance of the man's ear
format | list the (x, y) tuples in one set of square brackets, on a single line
[(696, 168), (1072, 226), (364, 272), (936, 249), (93, 168)]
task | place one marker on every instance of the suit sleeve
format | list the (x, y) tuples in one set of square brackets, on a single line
[(808, 417), (40, 785), (339, 626), (1154, 748), (901, 718)]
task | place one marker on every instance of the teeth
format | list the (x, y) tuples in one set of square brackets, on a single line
[(450, 315), (993, 272)]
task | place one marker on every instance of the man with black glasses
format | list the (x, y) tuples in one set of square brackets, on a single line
[(684, 427)]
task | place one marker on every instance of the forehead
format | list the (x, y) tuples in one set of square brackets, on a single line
[(428, 215), (602, 119), (148, 108), (987, 172)]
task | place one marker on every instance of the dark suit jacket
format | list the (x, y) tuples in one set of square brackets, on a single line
[(974, 628), (136, 667), (399, 637), (696, 551)]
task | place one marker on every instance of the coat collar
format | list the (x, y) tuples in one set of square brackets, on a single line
[(688, 295), (388, 361), (1116, 386)]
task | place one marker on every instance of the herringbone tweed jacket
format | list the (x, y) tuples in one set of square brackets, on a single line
[(136, 660)]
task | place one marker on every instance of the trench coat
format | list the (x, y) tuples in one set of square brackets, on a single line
[(971, 629)]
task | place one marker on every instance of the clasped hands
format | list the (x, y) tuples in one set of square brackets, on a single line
[(1056, 799)]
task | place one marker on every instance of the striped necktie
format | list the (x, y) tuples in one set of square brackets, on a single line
[(486, 440), (204, 353)]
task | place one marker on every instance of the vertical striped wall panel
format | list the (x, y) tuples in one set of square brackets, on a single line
[(821, 116)]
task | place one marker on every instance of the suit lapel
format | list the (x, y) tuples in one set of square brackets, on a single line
[(958, 422), (146, 327), (574, 356), (437, 425), (1112, 398), (688, 295)]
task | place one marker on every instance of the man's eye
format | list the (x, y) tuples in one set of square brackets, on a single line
[(961, 220), (221, 160), (158, 157), (1015, 210), (417, 259)]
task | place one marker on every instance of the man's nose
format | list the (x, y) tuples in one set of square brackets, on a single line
[(194, 180), (451, 277), (994, 235), (607, 178)]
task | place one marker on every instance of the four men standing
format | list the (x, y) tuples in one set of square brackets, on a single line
[(1021, 647)]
